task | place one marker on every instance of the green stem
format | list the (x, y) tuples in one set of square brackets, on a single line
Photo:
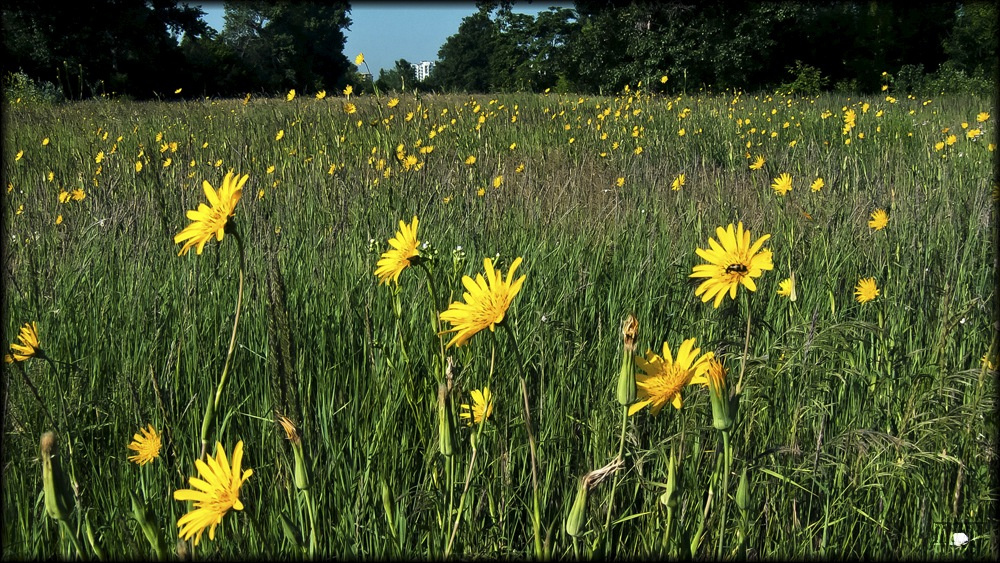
[(210, 414), (536, 516), (614, 482), (726, 459)]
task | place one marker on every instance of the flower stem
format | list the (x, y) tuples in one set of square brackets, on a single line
[(614, 482), (214, 405)]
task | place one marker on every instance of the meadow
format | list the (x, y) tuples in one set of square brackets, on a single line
[(844, 427)]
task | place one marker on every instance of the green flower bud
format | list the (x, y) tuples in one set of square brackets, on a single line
[(626, 375), (578, 513), (53, 479), (743, 492), (150, 528), (444, 421), (669, 497)]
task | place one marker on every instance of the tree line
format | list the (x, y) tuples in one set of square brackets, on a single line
[(153, 48)]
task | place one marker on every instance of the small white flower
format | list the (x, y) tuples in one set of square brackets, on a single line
[(959, 539)]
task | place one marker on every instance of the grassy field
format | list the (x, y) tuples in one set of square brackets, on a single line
[(859, 429)]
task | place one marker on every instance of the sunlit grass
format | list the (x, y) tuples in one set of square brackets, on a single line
[(866, 429)]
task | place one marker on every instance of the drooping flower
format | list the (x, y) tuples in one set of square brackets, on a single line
[(208, 221), (481, 407), (782, 184), (879, 219), (866, 290), (732, 261), (28, 347), (404, 247), (214, 494), (146, 445), (665, 376), (486, 302)]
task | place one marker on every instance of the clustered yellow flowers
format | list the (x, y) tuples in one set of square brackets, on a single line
[(206, 221)]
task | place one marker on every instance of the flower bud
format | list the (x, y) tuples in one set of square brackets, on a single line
[(743, 492), (716, 376), (53, 480), (150, 528), (301, 470), (669, 497), (444, 421), (626, 375), (578, 513)]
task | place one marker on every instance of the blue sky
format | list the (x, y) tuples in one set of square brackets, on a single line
[(386, 32)]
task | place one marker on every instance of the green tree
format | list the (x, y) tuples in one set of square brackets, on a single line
[(464, 61), (284, 45), (399, 78), (972, 44)]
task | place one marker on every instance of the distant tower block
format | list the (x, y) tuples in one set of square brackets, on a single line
[(422, 69)]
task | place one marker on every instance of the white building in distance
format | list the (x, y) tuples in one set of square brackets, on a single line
[(423, 69)]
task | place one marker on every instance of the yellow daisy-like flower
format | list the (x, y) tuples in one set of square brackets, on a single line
[(78, 194), (678, 182), (782, 184), (360, 59), (879, 219), (321, 94), (817, 185), (395, 260), (208, 221), (982, 117), (866, 290), (481, 407), (786, 288), (146, 445), (665, 376), (28, 347), (348, 90), (393, 102), (758, 163), (732, 261), (470, 160), (350, 108), (291, 95), (486, 302), (214, 494)]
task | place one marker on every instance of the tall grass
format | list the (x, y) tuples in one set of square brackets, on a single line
[(866, 430)]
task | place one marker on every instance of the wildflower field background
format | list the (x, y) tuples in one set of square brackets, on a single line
[(864, 424)]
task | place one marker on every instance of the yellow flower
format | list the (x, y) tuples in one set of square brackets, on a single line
[(681, 132), (291, 95), (732, 261), (950, 140), (99, 157), (349, 90), (782, 184), (178, 91), (866, 290), (350, 108), (18, 156), (64, 197), (214, 494), (321, 94), (45, 141), (663, 79), (786, 288), (146, 445), (208, 221), (138, 166), (973, 133), (404, 247), (982, 117), (360, 59), (470, 160), (498, 181), (664, 376), (59, 220), (758, 163), (620, 181), (486, 302), (28, 347), (817, 185), (280, 135), (481, 407), (79, 194), (393, 102), (879, 219), (678, 182)]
